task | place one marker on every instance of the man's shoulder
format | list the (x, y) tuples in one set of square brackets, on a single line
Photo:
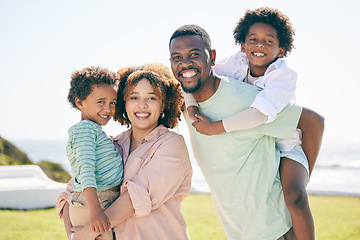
[(234, 84)]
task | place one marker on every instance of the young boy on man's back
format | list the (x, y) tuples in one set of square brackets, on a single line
[(266, 36)]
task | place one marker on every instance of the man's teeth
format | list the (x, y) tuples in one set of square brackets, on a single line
[(103, 116), (259, 54), (188, 74)]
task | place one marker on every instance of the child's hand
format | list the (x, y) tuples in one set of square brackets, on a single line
[(193, 111), (206, 127), (99, 221)]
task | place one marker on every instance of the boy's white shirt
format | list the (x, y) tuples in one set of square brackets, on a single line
[(278, 84)]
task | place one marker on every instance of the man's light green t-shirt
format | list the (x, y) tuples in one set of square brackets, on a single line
[(241, 167)]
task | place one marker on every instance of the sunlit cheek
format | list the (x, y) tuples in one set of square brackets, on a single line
[(155, 108), (112, 108)]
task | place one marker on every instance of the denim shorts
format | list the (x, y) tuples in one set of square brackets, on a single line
[(297, 154)]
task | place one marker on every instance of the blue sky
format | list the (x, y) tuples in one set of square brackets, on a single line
[(42, 42)]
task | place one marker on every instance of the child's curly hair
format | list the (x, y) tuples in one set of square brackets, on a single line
[(165, 86), (279, 21), (83, 81)]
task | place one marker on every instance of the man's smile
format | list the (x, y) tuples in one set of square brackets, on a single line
[(188, 73)]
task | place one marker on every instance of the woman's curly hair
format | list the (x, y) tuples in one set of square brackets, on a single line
[(83, 81), (165, 86), (279, 21)]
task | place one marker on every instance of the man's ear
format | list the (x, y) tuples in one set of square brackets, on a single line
[(281, 52), (213, 57), (79, 103), (242, 47)]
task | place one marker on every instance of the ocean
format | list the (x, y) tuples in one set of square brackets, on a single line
[(337, 170)]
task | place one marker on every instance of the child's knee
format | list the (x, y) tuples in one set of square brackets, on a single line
[(296, 196)]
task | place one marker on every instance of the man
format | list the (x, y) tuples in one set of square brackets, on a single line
[(241, 167)]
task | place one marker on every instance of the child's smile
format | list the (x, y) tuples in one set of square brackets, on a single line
[(99, 106), (258, 54), (261, 47)]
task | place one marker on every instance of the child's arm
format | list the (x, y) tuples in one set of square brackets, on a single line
[(193, 112), (312, 127), (246, 119), (98, 219), (191, 106), (278, 89), (278, 86), (234, 66)]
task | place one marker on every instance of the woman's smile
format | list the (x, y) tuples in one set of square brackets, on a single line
[(142, 115), (143, 107)]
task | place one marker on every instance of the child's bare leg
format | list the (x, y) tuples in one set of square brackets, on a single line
[(294, 178)]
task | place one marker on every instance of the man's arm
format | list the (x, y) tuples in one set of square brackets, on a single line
[(312, 127)]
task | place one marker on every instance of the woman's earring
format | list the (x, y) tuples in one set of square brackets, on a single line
[(124, 115), (162, 115)]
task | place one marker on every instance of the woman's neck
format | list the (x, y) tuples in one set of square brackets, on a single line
[(137, 137)]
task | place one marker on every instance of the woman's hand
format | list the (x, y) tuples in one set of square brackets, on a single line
[(83, 233)]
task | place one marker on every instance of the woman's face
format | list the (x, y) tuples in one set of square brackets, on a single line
[(143, 107)]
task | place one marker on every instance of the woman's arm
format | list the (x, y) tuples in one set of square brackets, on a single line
[(119, 211), (64, 197), (66, 219), (312, 127)]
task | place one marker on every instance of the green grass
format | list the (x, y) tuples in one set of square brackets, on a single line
[(201, 218), (335, 218), (31, 225)]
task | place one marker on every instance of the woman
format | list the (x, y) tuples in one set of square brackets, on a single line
[(157, 169)]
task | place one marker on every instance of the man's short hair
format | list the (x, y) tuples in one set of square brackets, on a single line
[(192, 30)]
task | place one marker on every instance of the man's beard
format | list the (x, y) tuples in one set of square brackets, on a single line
[(193, 89)]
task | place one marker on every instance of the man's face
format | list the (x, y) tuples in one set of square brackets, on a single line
[(190, 62)]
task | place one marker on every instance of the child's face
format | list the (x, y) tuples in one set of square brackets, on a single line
[(261, 47), (99, 106)]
